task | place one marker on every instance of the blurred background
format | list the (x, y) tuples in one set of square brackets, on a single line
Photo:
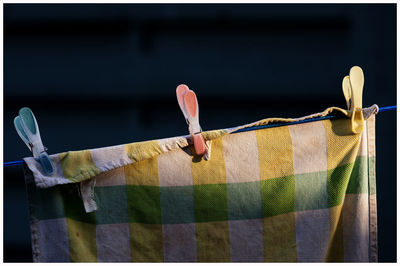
[(97, 75)]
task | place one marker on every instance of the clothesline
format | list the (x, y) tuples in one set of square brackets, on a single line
[(381, 109)]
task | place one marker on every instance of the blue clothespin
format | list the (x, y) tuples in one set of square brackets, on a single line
[(28, 129)]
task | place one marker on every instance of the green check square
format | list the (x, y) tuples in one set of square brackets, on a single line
[(358, 182), (177, 205), (210, 202), (277, 195), (338, 180), (311, 191), (244, 200), (50, 200), (112, 205), (144, 204)]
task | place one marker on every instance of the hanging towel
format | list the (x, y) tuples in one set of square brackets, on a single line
[(303, 192)]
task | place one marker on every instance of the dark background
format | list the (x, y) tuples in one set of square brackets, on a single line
[(100, 75)]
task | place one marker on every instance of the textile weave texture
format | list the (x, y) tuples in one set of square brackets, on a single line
[(298, 193)]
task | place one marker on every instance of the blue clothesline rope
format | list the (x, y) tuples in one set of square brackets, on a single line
[(387, 108), (381, 109), (13, 163)]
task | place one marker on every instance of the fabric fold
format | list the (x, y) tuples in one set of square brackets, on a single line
[(77, 166)]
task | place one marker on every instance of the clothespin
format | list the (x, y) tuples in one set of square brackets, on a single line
[(28, 130), (352, 86), (347, 90), (190, 108)]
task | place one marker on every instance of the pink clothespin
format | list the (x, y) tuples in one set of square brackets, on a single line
[(190, 108)]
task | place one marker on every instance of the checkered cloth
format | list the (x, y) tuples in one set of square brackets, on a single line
[(303, 192)]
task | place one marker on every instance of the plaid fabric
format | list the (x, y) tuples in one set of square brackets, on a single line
[(298, 193)]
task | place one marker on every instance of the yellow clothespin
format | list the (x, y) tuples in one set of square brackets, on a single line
[(347, 91), (352, 90)]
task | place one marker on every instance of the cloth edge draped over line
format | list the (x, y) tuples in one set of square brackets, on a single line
[(78, 166)]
